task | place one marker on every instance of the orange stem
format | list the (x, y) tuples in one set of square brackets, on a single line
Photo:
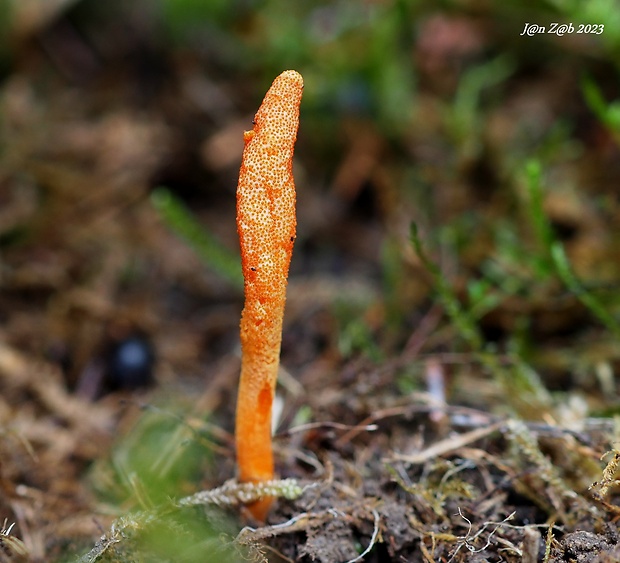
[(266, 225)]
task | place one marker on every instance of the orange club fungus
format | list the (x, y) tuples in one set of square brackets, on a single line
[(266, 224)]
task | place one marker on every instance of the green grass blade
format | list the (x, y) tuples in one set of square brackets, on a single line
[(218, 258), (569, 278)]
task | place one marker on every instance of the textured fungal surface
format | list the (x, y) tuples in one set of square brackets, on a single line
[(266, 226)]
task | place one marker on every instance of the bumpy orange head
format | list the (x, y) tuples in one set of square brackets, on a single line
[(266, 225)]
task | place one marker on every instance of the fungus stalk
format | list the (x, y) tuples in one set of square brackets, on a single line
[(266, 224)]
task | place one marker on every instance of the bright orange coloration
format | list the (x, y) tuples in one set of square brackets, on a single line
[(266, 226)]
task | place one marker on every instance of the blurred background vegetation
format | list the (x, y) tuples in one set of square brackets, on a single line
[(458, 189)]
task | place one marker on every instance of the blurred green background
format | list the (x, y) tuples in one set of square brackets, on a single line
[(458, 188), (500, 147)]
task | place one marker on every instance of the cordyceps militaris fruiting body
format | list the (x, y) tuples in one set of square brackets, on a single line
[(266, 224)]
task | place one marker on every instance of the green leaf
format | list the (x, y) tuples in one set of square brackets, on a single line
[(216, 256)]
